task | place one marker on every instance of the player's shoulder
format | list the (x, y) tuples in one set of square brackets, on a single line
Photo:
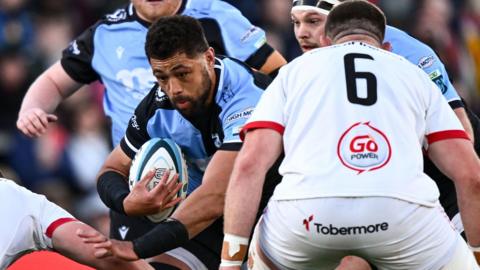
[(215, 9), (238, 75), (409, 47)]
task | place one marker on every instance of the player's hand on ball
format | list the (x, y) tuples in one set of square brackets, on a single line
[(34, 122), (141, 201)]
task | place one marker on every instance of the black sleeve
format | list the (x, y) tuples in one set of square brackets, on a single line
[(259, 58), (213, 35), (456, 104), (77, 57), (137, 134)]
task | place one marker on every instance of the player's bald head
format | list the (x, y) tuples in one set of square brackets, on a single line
[(355, 17)]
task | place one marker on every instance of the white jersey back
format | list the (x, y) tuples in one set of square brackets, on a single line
[(28, 223), (354, 119)]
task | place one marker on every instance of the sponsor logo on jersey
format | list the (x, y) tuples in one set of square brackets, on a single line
[(364, 148), (73, 48), (160, 95), (239, 115), (251, 32), (330, 229), (120, 50), (426, 62), (437, 77), (306, 222), (134, 123), (123, 230), (216, 140), (137, 81), (236, 130), (118, 15)]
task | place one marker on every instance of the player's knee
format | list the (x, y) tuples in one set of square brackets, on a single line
[(353, 263)]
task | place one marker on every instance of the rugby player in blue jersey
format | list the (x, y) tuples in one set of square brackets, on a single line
[(112, 52), (201, 102)]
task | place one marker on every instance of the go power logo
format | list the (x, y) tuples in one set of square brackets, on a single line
[(330, 229), (363, 147)]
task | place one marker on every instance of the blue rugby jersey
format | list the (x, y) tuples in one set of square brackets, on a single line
[(112, 51), (425, 58), (238, 90)]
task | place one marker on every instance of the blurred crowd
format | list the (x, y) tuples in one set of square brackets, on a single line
[(63, 163)]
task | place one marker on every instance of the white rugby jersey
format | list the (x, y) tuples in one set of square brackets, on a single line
[(354, 119), (28, 222)]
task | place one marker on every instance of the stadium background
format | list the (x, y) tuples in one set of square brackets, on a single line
[(63, 163)]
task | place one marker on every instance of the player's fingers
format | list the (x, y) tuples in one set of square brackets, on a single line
[(171, 185), (146, 179), (162, 185), (38, 120), (42, 117), (52, 118), (105, 245), (102, 253), (173, 192), (172, 203), (23, 128)]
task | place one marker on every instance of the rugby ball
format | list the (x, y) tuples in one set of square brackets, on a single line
[(161, 154)]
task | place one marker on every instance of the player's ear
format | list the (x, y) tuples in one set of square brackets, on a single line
[(210, 56), (387, 46), (325, 41)]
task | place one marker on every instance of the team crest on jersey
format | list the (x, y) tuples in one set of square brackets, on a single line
[(118, 15), (364, 148), (426, 62)]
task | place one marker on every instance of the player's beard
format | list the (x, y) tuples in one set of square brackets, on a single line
[(198, 105)]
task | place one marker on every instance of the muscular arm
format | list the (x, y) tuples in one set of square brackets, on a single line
[(260, 150), (203, 206), (42, 98), (463, 117), (456, 158)]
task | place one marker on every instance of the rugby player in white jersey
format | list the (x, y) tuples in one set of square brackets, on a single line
[(353, 183), (31, 222)]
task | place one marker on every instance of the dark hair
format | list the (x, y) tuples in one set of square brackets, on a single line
[(356, 17), (175, 34)]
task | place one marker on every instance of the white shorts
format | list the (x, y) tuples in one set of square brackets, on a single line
[(28, 222), (389, 233)]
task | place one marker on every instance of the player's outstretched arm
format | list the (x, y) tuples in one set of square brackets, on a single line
[(42, 98), (260, 150), (67, 243), (457, 159)]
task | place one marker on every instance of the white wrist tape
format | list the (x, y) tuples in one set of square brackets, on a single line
[(474, 249), (226, 263), (232, 257)]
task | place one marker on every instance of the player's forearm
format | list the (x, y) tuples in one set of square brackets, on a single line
[(49, 89), (463, 117), (243, 198), (273, 63), (201, 208), (469, 204)]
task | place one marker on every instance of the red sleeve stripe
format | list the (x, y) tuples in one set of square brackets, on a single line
[(261, 124), (57, 223), (446, 134)]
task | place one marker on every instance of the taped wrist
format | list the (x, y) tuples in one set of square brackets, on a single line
[(112, 189), (234, 250), (166, 236)]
